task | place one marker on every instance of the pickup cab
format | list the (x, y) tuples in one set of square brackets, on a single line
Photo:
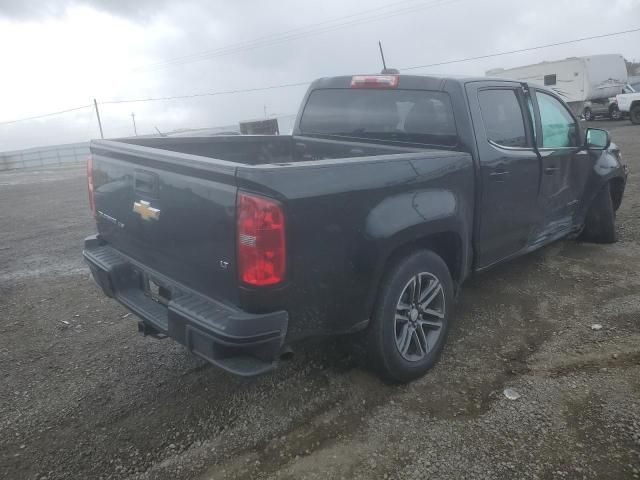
[(390, 192)]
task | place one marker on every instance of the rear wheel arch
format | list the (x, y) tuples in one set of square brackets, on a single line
[(447, 245)]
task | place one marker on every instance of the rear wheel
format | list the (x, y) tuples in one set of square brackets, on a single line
[(587, 114), (411, 320), (634, 115), (600, 224)]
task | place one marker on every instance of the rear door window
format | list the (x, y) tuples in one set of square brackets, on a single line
[(502, 118)]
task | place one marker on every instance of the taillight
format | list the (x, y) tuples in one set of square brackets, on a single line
[(92, 200), (374, 81), (261, 240)]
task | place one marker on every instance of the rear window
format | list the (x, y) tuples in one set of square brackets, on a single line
[(407, 116)]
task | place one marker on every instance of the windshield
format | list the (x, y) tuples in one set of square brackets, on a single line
[(407, 116)]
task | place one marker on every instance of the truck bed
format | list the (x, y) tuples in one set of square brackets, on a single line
[(266, 149)]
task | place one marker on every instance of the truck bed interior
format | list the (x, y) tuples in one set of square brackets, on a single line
[(268, 149)]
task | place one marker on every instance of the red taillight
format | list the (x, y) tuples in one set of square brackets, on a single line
[(261, 242), (374, 81), (92, 201)]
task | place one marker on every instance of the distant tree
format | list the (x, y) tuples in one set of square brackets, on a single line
[(633, 67)]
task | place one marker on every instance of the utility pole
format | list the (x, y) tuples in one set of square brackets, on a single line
[(133, 117), (265, 111), (384, 64), (95, 104)]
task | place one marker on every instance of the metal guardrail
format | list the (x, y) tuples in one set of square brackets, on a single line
[(44, 156)]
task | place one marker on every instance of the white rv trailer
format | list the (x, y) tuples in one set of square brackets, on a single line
[(575, 79)]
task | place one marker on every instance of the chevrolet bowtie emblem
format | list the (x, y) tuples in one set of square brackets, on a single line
[(145, 210)]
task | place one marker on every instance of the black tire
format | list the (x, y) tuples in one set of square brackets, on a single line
[(587, 114), (615, 113), (600, 224), (382, 336), (634, 115)]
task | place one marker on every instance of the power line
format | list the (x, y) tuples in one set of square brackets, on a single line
[(176, 97), (205, 94), (270, 36), (299, 84), (47, 114), (521, 50), (283, 38)]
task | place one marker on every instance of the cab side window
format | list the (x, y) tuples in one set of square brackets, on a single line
[(559, 129), (502, 118)]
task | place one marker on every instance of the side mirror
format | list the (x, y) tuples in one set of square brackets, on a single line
[(597, 139)]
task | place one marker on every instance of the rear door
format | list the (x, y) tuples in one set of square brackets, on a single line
[(509, 170), (565, 164)]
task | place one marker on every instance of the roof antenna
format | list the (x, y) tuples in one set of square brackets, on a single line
[(386, 70), (384, 64)]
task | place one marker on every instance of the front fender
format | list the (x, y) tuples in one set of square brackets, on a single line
[(609, 163), (607, 167)]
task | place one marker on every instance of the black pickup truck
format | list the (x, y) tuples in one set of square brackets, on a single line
[(390, 192)]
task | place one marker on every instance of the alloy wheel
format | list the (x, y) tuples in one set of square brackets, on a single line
[(419, 317)]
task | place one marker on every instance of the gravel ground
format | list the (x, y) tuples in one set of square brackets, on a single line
[(84, 396)]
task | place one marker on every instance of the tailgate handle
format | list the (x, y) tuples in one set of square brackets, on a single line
[(145, 183)]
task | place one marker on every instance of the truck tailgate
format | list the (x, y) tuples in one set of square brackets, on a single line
[(174, 213)]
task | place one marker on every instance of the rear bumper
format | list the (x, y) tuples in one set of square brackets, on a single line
[(239, 342)]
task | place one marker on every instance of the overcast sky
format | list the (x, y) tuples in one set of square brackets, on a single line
[(60, 54)]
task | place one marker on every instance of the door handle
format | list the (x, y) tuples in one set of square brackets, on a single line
[(550, 170), (145, 183), (498, 175)]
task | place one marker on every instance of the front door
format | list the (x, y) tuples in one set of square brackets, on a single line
[(565, 165), (509, 208)]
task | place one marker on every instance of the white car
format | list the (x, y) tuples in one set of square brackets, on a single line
[(629, 104)]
